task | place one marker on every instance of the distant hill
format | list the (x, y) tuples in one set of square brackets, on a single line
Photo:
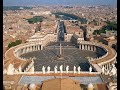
[(5, 8)]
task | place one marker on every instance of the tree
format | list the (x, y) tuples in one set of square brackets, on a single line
[(17, 42)]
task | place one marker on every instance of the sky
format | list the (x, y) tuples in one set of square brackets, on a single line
[(60, 2)]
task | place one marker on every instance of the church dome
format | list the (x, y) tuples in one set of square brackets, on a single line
[(32, 86), (90, 85)]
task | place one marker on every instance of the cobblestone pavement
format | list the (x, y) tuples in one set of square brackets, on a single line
[(71, 56)]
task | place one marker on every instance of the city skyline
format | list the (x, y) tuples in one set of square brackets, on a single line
[(59, 2)]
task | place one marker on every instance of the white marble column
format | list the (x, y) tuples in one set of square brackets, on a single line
[(38, 47), (80, 47), (26, 49), (17, 54), (85, 47), (23, 50), (106, 66), (41, 47), (94, 48), (30, 48), (33, 48), (91, 48), (88, 47)]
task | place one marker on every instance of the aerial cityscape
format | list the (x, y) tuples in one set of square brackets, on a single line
[(59, 45)]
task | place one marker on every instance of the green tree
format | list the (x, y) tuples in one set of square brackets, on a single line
[(17, 42)]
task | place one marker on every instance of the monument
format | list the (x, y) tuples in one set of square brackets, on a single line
[(61, 68), (90, 69), (67, 68), (74, 69), (43, 69), (79, 69), (55, 69), (48, 69)]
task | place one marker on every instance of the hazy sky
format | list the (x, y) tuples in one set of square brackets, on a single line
[(54, 2)]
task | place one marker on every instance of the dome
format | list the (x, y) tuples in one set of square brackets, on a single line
[(32, 86), (90, 85)]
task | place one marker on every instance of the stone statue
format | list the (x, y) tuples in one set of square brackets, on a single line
[(55, 69), (67, 68), (79, 69), (90, 69), (61, 68), (74, 69), (43, 70), (48, 69)]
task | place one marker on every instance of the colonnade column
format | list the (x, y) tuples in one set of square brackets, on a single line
[(91, 48), (109, 66), (85, 47), (33, 48), (94, 48), (88, 47), (80, 47), (38, 47), (23, 50), (41, 47), (27, 49), (105, 66)]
